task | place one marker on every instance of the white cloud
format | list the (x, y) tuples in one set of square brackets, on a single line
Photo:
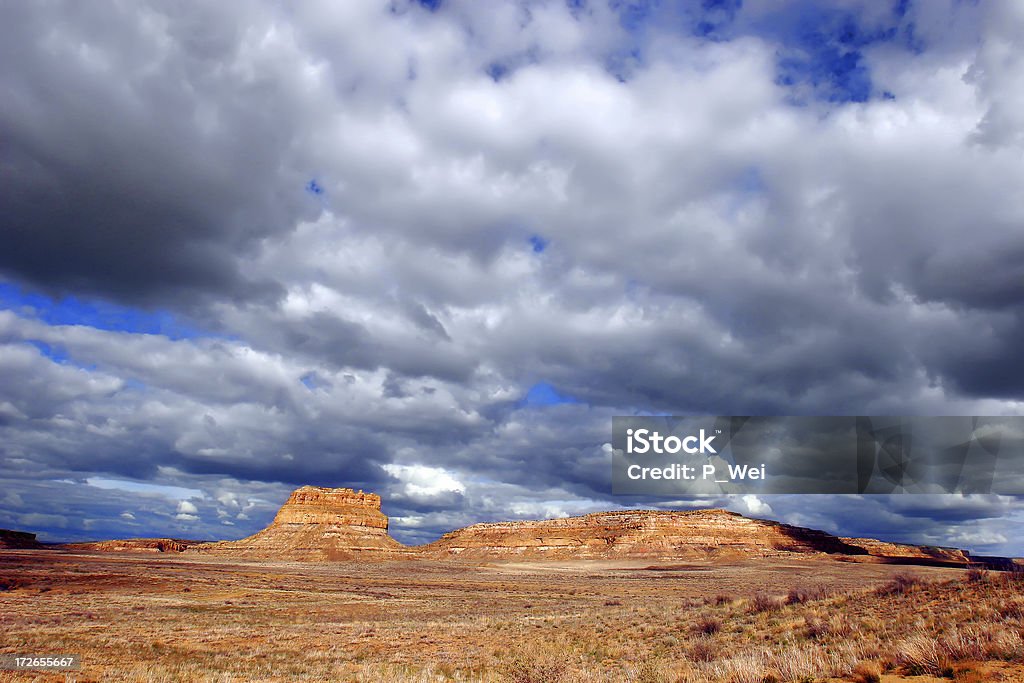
[(710, 248), (424, 481), (187, 507), (755, 506)]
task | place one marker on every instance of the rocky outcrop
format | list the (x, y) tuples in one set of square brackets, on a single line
[(638, 533), (18, 540), (897, 551), (318, 523), (133, 545)]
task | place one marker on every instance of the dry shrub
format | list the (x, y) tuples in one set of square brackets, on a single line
[(1012, 610), (921, 654), (975, 575), (703, 650), (802, 594), (797, 664), (648, 671), (707, 626), (762, 602), (746, 668), (525, 669), (982, 643), (816, 627), (544, 664), (900, 584), (867, 672)]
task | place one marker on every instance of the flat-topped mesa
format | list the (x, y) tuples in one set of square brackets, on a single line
[(919, 554), (17, 540), (318, 523), (320, 505), (639, 533)]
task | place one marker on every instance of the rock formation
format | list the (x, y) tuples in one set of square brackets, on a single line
[(133, 545), (638, 533), (18, 540), (318, 523), (898, 551)]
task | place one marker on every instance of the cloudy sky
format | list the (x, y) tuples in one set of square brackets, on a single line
[(430, 249)]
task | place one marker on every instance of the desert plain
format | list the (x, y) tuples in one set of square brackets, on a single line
[(467, 611)]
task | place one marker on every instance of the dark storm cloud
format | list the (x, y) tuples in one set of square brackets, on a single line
[(347, 199), (138, 158)]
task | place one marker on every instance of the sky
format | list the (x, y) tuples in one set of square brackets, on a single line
[(429, 249)]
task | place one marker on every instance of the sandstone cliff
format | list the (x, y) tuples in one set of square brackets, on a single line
[(318, 523), (898, 551), (18, 540), (638, 533), (133, 545)]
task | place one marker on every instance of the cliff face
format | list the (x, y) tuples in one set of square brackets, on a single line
[(911, 552), (133, 545), (638, 533), (318, 523), (18, 540), (339, 507)]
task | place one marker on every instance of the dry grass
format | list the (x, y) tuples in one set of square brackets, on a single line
[(168, 618)]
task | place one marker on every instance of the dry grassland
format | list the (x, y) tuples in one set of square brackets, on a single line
[(171, 618)]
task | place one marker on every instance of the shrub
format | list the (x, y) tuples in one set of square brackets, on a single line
[(900, 584), (816, 627), (800, 595), (703, 650), (867, 672), (762, 602), (921, 655), (523, 669), (975, 575), (707, 626)]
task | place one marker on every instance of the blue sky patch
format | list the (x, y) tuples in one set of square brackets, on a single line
[(57, 354), (543, 394), (100, 315), (822, 49)]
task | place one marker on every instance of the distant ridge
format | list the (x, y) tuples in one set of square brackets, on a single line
[(20, 540), (640, 533), (318, 524)]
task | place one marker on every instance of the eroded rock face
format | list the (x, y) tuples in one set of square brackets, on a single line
[(639, 533), (317, 523), (133, 545), (18, 540), (344, 507), (916, 552)]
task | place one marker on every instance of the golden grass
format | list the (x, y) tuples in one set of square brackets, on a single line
[(170, 618)]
